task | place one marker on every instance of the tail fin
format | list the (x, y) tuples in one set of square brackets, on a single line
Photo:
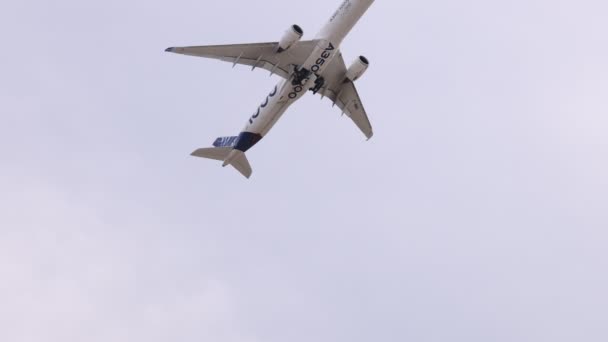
[(228, 155)]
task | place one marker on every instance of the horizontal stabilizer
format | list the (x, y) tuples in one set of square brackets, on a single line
[(241, 164), (236, 158), (215, 153)]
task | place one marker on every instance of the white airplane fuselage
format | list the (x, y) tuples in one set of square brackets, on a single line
[(290, 90)]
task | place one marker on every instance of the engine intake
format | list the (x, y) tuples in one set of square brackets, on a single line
[(357, 68), (293, 34)]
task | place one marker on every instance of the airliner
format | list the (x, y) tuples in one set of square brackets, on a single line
[(303, 65)]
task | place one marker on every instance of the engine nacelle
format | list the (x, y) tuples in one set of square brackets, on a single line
[(357, 68), (293, 34)]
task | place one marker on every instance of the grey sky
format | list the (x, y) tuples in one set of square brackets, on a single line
[(478, 212)]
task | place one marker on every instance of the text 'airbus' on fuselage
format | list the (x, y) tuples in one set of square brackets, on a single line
[(316, 65)]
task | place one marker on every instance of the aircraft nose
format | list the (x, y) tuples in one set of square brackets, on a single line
[(169, 49)]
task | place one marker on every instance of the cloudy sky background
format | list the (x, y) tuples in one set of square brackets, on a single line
[(478, 212)]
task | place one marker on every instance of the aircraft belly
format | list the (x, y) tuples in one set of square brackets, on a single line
[(289, 91), (343, 20), (267, 120), (321, 57), (275, 105)]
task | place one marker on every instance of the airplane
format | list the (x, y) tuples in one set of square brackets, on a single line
[(316, 65)]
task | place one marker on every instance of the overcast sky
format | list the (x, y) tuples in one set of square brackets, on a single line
[(478, 212)]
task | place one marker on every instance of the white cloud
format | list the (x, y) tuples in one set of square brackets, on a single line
[(65, 275)]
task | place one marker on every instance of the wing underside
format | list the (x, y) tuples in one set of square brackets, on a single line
[(258, 55), (344, 94)]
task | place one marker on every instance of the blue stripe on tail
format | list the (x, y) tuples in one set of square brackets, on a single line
[(242, 142), (225, 142)]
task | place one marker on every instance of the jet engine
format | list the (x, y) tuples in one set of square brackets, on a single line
[(293, 34), (357, 68)]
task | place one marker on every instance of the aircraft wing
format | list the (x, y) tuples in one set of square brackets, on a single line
[(258, 55), (344, 94)]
